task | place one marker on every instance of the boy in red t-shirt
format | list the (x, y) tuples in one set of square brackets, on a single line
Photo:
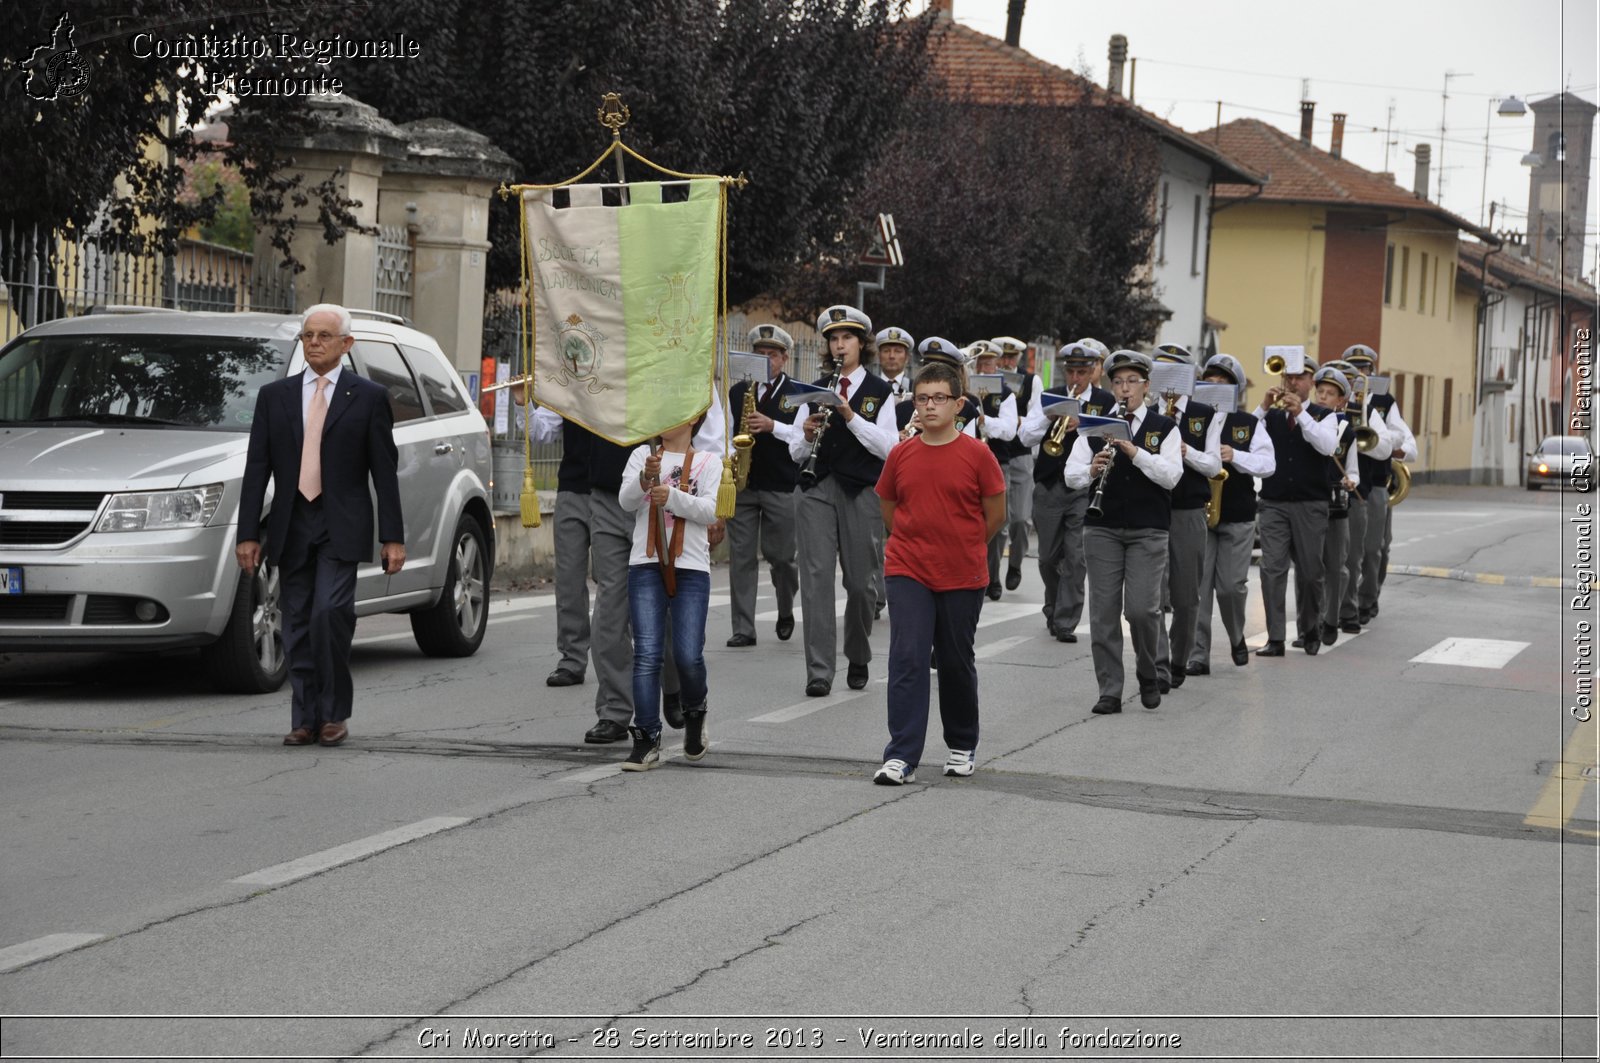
[(943, 497)]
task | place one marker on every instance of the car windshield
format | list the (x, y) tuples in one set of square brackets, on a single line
[(1564, 445), (207, 382)]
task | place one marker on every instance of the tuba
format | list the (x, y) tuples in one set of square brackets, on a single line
[(1401, 483), (1214, 503), (744, 443)]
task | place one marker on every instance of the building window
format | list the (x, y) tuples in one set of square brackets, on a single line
[(1388, 276), (1194, 248), (1161, 244), (1397, 387), (1405, 274), (1450, 296), (1449, 396), (1422, 284), (1433, 299)]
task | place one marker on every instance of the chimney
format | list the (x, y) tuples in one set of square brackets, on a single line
[(1420, 182), (1118, 55), (944, 8), (1307, 109), (1014, 22), (1336, 149)]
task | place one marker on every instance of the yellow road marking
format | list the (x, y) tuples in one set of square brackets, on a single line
[(1563, 790)]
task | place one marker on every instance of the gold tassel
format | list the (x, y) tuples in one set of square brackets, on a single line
[(530, 499), (727, 493)]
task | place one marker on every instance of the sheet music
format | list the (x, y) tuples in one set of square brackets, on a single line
[(1224, 397)]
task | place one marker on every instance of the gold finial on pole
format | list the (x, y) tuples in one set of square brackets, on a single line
[(613, 114), (504, 190)]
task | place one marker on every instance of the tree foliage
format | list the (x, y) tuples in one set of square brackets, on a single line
[(1018, 220), (796, 94)]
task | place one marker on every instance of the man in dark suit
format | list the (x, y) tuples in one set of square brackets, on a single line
[(321, 435)]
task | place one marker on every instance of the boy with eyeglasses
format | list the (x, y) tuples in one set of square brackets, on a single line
[(943, 498)]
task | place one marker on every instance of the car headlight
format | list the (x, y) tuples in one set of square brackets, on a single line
[(1543, 468), (191, 507)]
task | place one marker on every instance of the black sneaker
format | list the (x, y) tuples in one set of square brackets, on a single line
[(646, 752), (694, 733)]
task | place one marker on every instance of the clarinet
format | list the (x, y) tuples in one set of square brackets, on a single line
[(808, 468), (1095, 508)]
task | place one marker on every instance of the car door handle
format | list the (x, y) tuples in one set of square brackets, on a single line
[(442, 448)]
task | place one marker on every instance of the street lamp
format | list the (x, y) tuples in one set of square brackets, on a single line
[(1510, 107)]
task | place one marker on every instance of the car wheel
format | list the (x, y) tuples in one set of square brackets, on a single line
[(249, 657), (454, 625)]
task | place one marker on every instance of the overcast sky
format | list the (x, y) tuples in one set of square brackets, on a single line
[(1361, 57)]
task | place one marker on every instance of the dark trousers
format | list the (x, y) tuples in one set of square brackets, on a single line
[(319, 619), (945, 622)]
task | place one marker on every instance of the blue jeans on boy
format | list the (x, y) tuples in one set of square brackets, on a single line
[(649, 607)]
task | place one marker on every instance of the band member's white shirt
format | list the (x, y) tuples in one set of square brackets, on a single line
[(1164, 469), (878, 434)]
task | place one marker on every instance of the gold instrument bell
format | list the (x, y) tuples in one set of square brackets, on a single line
[(1402, 484), (744, 443), (1274, 364), (1055, 444), (1214, 503)]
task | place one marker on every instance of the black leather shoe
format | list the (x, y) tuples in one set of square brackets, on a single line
[(1178, 676), (1013, 579), (856, 677), (818, 688), (1298, 643), (1241, 653), (994, 592), (1328, 635), (1312, 646), (672, 710), (1196, 668), (1375, 604), (563, 677), (1106, 706), (877, 612), (740, 641), (1351, 627), (1273, 648), (1150, 697), (1364, 617), (1163, 685), (785, 628), (1064, 635), (605, 731)]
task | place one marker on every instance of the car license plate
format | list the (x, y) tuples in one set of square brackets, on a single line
[(11, 580)]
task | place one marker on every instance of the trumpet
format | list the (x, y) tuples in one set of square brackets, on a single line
[(744, 443), (1274, 364), (808, 468), (1214, 503), (1055, 444)]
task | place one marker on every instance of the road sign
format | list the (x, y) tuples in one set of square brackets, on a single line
[(885, 245)]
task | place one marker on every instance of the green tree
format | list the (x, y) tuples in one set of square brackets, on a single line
[(231, 225)]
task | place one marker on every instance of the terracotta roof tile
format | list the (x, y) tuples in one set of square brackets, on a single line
[(1506, 268)]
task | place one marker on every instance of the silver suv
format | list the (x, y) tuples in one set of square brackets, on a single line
[(122, 446)]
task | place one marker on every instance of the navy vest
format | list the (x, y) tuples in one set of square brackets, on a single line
[(1347, 439), (771, 467), (1194, 490), (1132, 499), (1014, 448), (991, 404), (1375, 472), (573, 473), (1302, 474), (839, 453), (1239, 490)]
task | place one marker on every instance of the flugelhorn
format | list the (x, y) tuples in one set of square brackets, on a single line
[(1055, 444)]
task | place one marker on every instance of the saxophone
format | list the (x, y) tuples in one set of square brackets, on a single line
[(1214, 503), (744, 443)]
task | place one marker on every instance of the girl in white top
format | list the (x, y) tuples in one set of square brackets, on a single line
[(673, 489)]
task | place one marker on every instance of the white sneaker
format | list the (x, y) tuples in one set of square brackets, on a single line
[(960, 762), (894, 773)]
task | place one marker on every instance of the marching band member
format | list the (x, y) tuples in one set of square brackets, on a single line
[(998, 429), (1246, 452), (942, 494), (1350, 599), (1200, 430), (1383, 415), (1057, 508), (1125, 541), (764, 515), (1294, 508), (894, 351), (938, 350), (841, 453), (1332, 389), (1018, 464)]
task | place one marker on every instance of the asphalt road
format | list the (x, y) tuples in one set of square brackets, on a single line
[(1385, 851)]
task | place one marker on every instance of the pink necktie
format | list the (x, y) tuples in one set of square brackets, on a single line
[(311, 450)]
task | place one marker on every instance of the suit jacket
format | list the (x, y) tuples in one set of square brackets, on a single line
[(357, 443)]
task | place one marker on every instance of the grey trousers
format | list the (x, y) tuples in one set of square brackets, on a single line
[(611, 643), (1350, 601), (1186, 558), (1388, 539), (1292, 531), (1334, 548), (1225, 578), (1019, 509), (1126, 569), (1058, 518), (762, 522), (833, 529), (1375, 548), (572, 580)]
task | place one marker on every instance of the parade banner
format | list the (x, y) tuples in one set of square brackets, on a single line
[(625, 305)]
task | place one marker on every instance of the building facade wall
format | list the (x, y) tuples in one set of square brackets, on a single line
[(1183, 202), (1352, 289)]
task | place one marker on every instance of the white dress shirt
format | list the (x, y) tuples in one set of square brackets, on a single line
[(308, 388), (878, 434), (1036, 425), (1206, 462), (1323, 435), (1002, 425), (1260, 458), (1164, 469)]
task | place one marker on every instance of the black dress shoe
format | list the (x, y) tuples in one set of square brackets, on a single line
[(1106, 706), (1013, 579), (672, 710), (1196, 668), (1298, 643), (1065, 635), (1351, 627), (739, 641), (563, 677), (994, 592), (1241, 653), (1273, 648), (877, 612), (1150, 697), (1312, 646), (785, 628), (1364, 617), (1163, 685), (856, 677), (1375, 604), (1178, 676), (605, 731), (818, 688), (1328, 635)]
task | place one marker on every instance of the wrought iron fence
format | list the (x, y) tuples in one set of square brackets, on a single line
[(46, 275), (392, 279)]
